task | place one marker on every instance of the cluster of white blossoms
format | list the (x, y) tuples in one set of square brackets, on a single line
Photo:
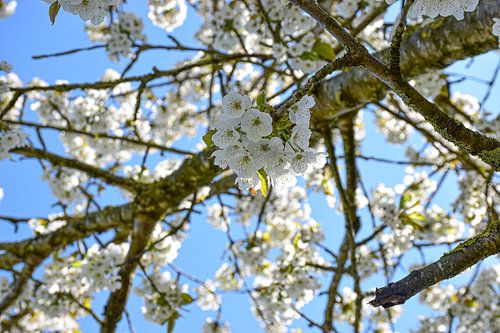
[(218, 217), (281, 31), (101, 267), (475, 198), (66, 184), (166, 248), (5, 67), (378, 318), (280, 257), (4, 86), (7, 8), (465, 304), (120, 36), (162, 296), (211, 326), (409, 219), (69, 279), (52, 223), (435, 8), (11, 138), (496, 27), (94, 11), (123, 34), (207, 296), (255, 147), (69, 282), (8, 81), (167, 14), (30, 312)]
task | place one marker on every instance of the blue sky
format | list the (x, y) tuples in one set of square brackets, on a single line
[(29, 32)]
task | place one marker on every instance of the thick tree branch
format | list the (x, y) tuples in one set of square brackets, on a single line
[(92, 171), (431, 46), (449, 265), (159, 198), (475, 143), (118, 298)]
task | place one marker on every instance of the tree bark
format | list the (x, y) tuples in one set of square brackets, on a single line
[(449, 265), (431, 46)]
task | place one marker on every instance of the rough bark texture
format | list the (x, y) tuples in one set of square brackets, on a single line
[(449, 265), (157, 200), (432, 46)]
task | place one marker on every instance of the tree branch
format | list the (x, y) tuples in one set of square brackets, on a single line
[(449, 265), (428, 47), (92, 171), (473, 142)]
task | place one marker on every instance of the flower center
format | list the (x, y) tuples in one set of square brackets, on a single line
[(256, 122), (236, 105)]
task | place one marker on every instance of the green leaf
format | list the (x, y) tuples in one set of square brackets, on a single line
[(186, 299), (264, 181), (310, 56), (53, 11), (296, 240), (324, 50), (171, 322), (207, 138), (87, 302), (413, 220), (261, 101), (77, 263), (406, 197)]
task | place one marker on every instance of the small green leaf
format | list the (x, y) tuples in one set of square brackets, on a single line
[(413, 220), (53, 11), (87, 302), (186, 299), (171, 322), (310, 56), (296, 240), (406, 197), (264, 181), (207, 138), (324, 50), (77, 263), (261, 101)]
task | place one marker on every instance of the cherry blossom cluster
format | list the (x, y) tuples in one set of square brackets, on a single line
[(34, 320), (52, 223), (496, 27), (73, 280), (475, 198), (8, 81), (66, 184), (162, 296), (167, 14), (282, 280), (409, 219), (435, 8), (162, 120), (94, 11), (119, 36), (264, 26), (11, 138), (468, 303), (211, 326), (380, 318), (7, 8), (5, 66), (255, 147)]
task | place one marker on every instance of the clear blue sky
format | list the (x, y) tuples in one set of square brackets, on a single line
[(29, 32)]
